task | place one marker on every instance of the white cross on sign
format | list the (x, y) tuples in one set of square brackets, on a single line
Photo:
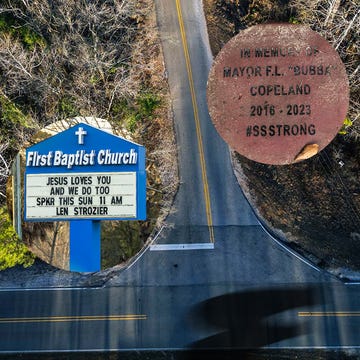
[(80, 133)]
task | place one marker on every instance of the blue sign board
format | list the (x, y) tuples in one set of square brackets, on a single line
[(85, 174)]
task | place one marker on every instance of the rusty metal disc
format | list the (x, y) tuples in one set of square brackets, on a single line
[(278, 93)]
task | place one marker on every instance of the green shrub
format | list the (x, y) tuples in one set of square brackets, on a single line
[(345, 127), (67, 107), (293, 20), (131, 121), (11, 114), (12, 124), (133, 113), (12, 250), (147, 103), (28, 37)]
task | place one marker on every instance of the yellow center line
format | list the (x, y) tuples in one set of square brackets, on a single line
[(328, 313), (73, 318), (197, 123)]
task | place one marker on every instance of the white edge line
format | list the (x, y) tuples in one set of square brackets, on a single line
[(142, 252), (289, 250)]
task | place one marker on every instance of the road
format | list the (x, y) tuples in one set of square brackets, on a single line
[(209, 194), (204, 316), (215, 278)]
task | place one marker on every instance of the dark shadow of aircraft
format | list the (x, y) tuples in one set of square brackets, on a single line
[(241, 320)]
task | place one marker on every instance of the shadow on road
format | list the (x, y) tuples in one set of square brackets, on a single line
[(244, 320)]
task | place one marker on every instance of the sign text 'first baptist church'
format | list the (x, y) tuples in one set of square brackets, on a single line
[(85, 173)]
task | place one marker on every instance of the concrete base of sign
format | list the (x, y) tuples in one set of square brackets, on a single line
[(85, 246)]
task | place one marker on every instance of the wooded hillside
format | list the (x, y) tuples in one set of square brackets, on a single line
[(62, 59), (313, 206)]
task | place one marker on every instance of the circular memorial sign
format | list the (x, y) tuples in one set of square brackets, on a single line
[(278, 93)]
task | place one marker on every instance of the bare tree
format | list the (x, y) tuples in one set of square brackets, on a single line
[(339, 22), (4, 170), (67, 58)]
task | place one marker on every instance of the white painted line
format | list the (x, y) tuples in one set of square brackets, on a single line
[(286, 248), (142, 252), (198, 246)]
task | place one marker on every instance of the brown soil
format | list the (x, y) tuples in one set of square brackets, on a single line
[(313, 206)]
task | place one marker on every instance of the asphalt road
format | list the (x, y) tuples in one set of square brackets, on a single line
[(206, 175), (215, 278), (180, 317)]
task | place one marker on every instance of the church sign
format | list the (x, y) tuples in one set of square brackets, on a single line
[(84, 173)]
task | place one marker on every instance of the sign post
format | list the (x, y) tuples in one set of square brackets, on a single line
[(84, 175), (85, 248)]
